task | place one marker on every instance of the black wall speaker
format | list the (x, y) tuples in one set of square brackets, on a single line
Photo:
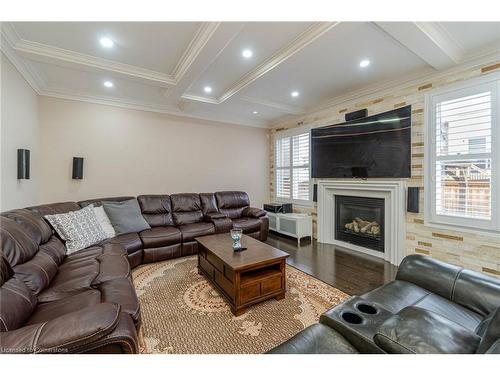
[(356, 115), (23, 164), (413, 199), (315, 192), (77, 168)]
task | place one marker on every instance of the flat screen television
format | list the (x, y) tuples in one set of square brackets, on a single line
[(374, 146)]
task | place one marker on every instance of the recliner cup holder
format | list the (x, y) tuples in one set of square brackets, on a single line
[(367, 309), (352, 318)]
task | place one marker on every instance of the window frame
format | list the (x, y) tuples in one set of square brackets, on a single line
[(289, 134), (431, 217)]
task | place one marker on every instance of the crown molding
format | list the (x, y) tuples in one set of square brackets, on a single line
[(300, 42), (195, 46), (442, 38), (276, 106), (201, 38), (377, 90), (8, 37), (140, 106)]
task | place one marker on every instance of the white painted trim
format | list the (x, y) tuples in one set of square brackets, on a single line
[(431, 218), (303, 40), (394, 193), (276, 106)]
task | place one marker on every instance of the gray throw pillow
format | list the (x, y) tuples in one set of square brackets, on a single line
[(125, 216)]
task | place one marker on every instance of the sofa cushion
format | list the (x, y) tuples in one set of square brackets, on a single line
[(98, 201), (125, 216), (17, 247), (156, 209), (491, 332), (131, 242), (477, 291), (208, 203), (122, 292), (190, 231), (160, 236), (451, 310), (415, 330), (396, 295), (232, 203), (104, 222), (34, 226), (51, 310), (186, 208), (17, 301), (247, 224), (79, 229)]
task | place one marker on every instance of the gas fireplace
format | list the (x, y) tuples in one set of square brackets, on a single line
[(360, 221)]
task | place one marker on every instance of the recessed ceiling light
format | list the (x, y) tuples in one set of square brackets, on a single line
[(247, 53), (207, 89), (364, 63), (294, 94), (255, 112), (108, 84), (106, 42)]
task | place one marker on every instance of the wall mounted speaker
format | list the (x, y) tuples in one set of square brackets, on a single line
[(356, 115), (23, 164), (315, 192), (413, 199), (77, 168)]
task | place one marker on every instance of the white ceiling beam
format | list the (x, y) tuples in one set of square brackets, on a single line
[(428, 40)]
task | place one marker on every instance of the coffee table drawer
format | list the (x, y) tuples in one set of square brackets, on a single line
[(271, 284), (249, 292)]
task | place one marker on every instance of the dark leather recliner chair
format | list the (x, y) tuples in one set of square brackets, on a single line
[(431, 307)]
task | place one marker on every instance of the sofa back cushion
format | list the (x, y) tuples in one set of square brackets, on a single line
[(232, 203), (477, 292), (208, 203), (156, 209), (54, 208), (125, 216), (98, 201), (17, 301), (186, 208)]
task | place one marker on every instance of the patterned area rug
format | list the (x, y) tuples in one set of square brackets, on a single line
[(183, 314)]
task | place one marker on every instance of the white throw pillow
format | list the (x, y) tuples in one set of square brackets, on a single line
[(103, 220), (79, 229)]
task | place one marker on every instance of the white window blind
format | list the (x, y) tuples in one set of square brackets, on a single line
[(292, 167), (463, 175)]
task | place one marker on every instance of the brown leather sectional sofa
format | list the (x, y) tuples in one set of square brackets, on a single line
[(86, 301)]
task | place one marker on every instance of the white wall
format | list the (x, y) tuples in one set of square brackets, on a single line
[(19, 129), (130, 152)]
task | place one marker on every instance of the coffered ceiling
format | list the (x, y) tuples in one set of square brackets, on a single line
[(248, 73)]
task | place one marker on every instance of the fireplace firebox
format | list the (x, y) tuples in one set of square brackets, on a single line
[(360, 221)]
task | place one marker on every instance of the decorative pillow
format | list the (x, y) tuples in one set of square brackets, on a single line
[(79, 229), (125, 216), (103, 220)]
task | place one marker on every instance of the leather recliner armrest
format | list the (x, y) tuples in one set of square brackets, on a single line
[(214, 215), (254, 212), (69, 333), (495, 348)]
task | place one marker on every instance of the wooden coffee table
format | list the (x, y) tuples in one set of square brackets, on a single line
[(244, 278)]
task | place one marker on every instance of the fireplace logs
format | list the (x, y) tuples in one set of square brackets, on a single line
[(359, 225)]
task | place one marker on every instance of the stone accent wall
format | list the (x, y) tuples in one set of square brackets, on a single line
[(473, 251)]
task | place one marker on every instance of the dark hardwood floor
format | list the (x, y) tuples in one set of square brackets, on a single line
[(348, 271)]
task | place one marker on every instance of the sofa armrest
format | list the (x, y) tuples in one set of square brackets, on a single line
[(495, 348), (428, 273), (254, 212), (214, 215), (413, 331), (70, 333)]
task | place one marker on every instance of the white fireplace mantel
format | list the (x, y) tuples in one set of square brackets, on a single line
[(394, 194)]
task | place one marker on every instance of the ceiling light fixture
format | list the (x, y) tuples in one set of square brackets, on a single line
[(106, 42), (255, 112), (207, 89), (364, 63), (294, 94), (108, 84), (247, 53)]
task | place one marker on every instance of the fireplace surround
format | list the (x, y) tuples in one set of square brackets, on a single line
[(393, 195)]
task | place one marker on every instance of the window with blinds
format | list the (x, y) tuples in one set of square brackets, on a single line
[(464, 162), (292, 167)]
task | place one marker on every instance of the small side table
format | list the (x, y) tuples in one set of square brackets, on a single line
[(293, 225)]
